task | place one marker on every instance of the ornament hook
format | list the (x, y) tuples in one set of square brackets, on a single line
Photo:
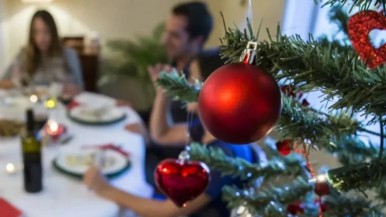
[(249, 54), (184, 155)]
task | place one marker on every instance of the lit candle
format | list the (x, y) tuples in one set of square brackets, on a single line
[(54, 129)]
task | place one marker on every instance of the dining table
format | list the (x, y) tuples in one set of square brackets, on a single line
[(63, 195)]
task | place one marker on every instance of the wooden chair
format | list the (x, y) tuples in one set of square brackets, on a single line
[(89, 60)]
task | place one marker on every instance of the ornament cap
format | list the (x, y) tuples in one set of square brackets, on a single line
[(249, 54), (184, 156)]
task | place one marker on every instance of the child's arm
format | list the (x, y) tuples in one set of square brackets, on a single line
[(142, 206)]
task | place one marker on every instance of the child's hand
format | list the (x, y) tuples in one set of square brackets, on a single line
[(94, 180), (154, 72)]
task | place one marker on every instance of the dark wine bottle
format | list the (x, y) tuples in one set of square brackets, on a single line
[(32, 158)]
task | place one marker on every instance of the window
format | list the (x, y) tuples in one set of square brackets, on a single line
[(311, 18)]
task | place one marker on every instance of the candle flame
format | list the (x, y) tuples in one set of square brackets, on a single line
[(53, 125)]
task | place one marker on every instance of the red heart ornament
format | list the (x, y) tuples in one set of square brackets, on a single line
[(181, 181), (359, 27)]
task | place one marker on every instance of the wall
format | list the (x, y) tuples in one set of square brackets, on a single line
[(119, 18), (110, 19), (269, 12)]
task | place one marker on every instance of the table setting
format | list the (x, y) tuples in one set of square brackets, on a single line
[(88, 130)]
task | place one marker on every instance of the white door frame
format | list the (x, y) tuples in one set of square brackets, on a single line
[(2, 44), (299, 18)]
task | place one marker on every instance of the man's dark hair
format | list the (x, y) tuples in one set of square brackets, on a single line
[(199, 19)]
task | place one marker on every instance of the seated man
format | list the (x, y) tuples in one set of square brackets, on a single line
[(208, 203), (187, 29)]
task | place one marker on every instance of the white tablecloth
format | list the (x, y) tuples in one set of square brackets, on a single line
[(64, 196)]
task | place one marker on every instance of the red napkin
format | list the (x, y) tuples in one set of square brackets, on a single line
[(8, 210), (73, 104), (111, 147), (118, 103)]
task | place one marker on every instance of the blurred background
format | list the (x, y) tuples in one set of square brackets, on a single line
[(94, 26), (117, 39)]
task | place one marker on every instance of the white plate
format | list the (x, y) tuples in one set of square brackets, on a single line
[(77, 162), (13, 108), (96, 116)]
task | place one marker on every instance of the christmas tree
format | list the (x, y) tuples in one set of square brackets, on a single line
[(354, 76)]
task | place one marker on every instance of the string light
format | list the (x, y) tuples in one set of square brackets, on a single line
[(321, 178)]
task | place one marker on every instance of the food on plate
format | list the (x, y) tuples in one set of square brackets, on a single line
[(80, 160), (10, 128)]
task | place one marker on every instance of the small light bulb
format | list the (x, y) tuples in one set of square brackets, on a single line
[(50, 103), (241, 210), (321, 178), (33, 98)]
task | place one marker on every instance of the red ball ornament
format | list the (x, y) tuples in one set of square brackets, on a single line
[(239, 103), (295, 208), (288, 90), (284, 147), (322, 189), (323, 207), (321, 204), (181, 181)]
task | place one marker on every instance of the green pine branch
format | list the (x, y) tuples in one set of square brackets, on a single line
[(335, 70), (381, 193), (216, 159), (338, 16), (361, 4), (343, 205), (360, 177), (351, 150), (304, 123), (268, 201), (297, 121), (273, 201), (177, 86)]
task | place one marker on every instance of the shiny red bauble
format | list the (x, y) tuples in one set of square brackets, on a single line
[(239, 103), (322, 189), (295, 208), (284, 147), (181, 181)]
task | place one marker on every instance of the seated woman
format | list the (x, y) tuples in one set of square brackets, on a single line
[(44, 60), (208, 203)]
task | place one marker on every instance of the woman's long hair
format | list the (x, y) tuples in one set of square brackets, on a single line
[(33, 56)]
